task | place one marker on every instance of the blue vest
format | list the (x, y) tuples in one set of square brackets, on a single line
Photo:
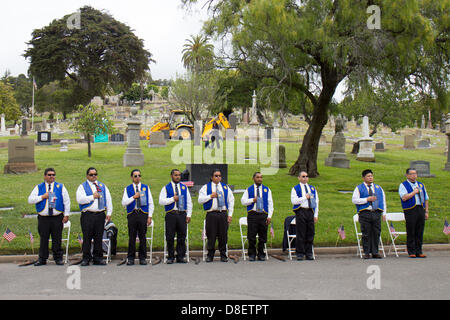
[(411, 203), (299, 191), (131, 191), (88, 191), (170, 193), (364, 193), (207, 205), (265, 197), (57, 189)]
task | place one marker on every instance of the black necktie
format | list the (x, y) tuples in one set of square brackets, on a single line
[(309, 200), (176, 193), (138, 200), (257, 192), (50, 210), (370, 193)]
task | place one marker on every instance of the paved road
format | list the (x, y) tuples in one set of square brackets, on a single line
[(329, 277)]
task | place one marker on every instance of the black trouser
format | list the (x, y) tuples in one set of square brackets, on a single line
[(137, 226), (50, 226), (415, 225), (92, 226), (176, 223), (370, 222), (256, 225), (304, 225), (217, 227)]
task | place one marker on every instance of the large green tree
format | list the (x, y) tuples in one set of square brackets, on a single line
[(102, 54), (198, 54), (8, 104), (313, 45)]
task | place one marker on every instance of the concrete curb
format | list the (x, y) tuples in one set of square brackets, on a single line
[(197, 253)]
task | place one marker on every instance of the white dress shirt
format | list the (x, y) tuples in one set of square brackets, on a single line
[(303, 201), (356, 198), (126, 201), (402, 191), (203, 198), (164, 201), (34, 198), (246, 201), (82, 198)]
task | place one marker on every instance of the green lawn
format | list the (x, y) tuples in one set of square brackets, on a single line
[(335, 208)]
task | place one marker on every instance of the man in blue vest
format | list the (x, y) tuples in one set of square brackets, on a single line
[(305, 201), (218, 202), (138, 201), (53, 206), (258, 199), (370, 202), (177, 202), (414, 199), (96, 208)]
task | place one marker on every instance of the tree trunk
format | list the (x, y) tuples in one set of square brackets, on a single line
[(89, 144)]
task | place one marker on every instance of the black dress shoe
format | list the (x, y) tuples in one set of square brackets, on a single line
[(130, 262), (251, 258), (366, 256), (170, 260), (40, 263), (100, 263), (181, 260), (261, 258), (309, 258), (209, 259), (59, 262), (377, 256), (224, 259), (84, 263), (143, 262), (299, 258)]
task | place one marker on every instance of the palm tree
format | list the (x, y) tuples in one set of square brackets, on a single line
[(198, 54)]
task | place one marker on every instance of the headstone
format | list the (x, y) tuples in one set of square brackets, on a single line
[(281, 157), (44, 138), (422, 167), (64, 146), (424, 144), (157, 140), (3, 124), (418, 134), (365, 152), (337, 157), (98, 101), (200, 173), (323, 140), (133, 155), (232, 119), (17, 128), (20, 156), (422, 124), (409, 142), (379, 147), (117, 138), (268, 133), (253, 113), (44, 125), (24, 131)]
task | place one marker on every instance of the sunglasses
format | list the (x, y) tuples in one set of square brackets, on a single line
[(217, 175), (51, 174), (137, 176), (304, 176), (92, 174)]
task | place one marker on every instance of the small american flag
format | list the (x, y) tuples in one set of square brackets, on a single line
[(137, 239), (31, 237), (272, 232), (9, 235), (80, 241), (341, 232), (204, 234), (446, 227)]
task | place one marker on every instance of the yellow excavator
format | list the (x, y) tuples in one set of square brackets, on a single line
[(178, 127)]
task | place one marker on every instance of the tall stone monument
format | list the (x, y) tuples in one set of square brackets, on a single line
[(337, 157), (365, 144), (133, 156)]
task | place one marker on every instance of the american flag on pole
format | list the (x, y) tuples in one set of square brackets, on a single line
[(34, 84), (446, 228), (341, 232), (392, 230), (31, 237), (80, 240), (203, 234), (272, 232), (9, 235)]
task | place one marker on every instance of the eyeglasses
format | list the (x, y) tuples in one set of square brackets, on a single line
[(92, 174), (304, 176), (217, 175), (51, 174), (137, 176)]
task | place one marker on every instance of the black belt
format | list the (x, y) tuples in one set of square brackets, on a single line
[(137, 211), (176, 212), (217, 211), (253, 211), (95, 211)]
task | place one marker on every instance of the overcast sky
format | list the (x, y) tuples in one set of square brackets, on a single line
[(163, 25)]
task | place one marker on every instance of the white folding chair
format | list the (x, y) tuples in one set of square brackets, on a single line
[(107, 243), (66, 239), (205, 239), (395, 217), (175, 239), (243, 222), (290, 238), (359, 237), (150, 240)]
